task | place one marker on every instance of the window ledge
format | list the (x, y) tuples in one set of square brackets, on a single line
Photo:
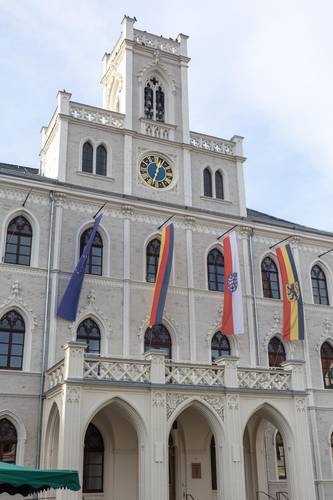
[(95, 176), (216, 200)]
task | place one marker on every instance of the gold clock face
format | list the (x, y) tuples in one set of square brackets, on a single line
[(156, 171)]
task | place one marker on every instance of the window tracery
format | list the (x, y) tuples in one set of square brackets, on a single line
[(215, 270), (152, 256), (158, 337), (220, 345), (18, 241), (95, 258), (12, 332), (8, 441), (276, 352), (89, 332), (326, 354), (319, 286), (270, 279), (93, 462), (154, 105)]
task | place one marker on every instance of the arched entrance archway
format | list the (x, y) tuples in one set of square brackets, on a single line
[(267, 464), (194, 454), (118, 457)]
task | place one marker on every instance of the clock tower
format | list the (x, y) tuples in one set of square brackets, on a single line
[(145, 78)]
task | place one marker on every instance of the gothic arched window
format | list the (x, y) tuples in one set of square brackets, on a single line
[(220, 346), (270, 279), (276, 352), (101, 159), (158, 337), (93, 461), (154, 108), (215, 269), (207, 180), (152, 256), (95, 258), (213, 463), (87, 157), (219, 185), (18, 242), (280, 457), (89, 332), (8, 441), (12, 331), (319, 286), (326, 355)]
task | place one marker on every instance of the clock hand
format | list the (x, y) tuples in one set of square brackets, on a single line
[(158, 166)]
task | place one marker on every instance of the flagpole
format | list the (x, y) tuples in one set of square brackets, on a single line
[(169, 218), (281, 241), (322, 254), (98, 211), (226, 232)]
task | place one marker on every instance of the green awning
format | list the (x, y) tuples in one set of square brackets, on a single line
[(25, 480)]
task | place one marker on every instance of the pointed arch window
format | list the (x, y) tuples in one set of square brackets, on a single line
[(220, 346), (101, 160), (12, 332), (207, 180), (276, 352), (213, 463), (280, 457), (158, 337), (319, 286), (270, 279), (18, 242), (154, 107), (89, 332), (219, 192), (8, 441), (326, 354), (87, 157), (215, 270), (95, 258), (93, 462), (152, 256)]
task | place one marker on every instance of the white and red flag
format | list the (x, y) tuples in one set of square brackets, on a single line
[(232, 318)]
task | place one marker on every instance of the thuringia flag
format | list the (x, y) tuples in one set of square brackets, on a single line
[(293, 316), (163, 275), (70, 300), (233, 317)]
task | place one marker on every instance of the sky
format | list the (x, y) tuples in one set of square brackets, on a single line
[(261, 69)]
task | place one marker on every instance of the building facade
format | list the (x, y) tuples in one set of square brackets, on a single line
[(180, 411)]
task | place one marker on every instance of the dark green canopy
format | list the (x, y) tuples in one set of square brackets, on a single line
[(25, 480)]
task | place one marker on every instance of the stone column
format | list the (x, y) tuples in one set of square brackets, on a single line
[(158, 429), (70, 443)]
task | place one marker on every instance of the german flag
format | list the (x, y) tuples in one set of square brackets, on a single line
[(163, 275), (293, 316)]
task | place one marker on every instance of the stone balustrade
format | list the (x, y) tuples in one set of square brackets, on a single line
[(213, 144), (154, 369), (96, 115), (158, 130)]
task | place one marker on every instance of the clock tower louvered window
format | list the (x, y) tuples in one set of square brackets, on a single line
[(154, 100)]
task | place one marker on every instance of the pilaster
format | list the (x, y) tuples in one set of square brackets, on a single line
[(127, 212), (190, 286)]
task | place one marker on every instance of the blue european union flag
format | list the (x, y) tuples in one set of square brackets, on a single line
[(70, 300)]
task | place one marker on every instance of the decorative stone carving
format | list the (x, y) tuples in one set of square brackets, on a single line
[(244, 232), (189, 222), (233, 401), (15, 298), (117, 370), (212, 144), (174, 399), (73, 395), (251, 378), (300, 405), (59, 199), (158, 399), (217, 403), (127, 211), (326, 335), (96, 115), (91, 308)]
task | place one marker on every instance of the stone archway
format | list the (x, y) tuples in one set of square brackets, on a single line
[(261, 462), (191, 460)]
